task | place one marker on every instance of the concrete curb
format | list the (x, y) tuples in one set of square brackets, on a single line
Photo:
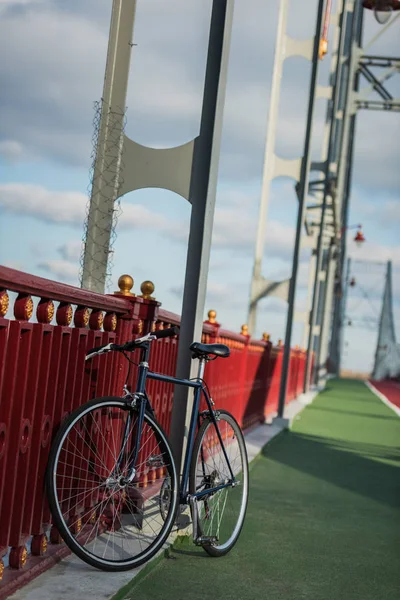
[(73, 579)]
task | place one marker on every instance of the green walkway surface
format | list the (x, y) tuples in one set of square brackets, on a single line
[(323, 520)]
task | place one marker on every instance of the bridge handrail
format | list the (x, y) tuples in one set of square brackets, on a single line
[(24, 283)]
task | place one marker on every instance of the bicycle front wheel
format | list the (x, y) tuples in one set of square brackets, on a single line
[(221, 514), (108, 514)]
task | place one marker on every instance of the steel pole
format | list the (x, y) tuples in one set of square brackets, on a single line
[(106, 172), (327, 192), (321, 340), (344, 309), (268, 169), (202, 198), (346, 153), (303, 191)]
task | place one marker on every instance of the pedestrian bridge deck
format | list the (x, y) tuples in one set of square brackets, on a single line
[(323, 518)]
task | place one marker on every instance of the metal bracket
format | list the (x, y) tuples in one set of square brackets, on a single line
[(145, 167), (265, 287), (195, 515)]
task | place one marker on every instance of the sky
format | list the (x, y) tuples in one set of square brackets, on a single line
[(51, 73)]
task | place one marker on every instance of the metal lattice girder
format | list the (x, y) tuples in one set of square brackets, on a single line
[(275, 166), (391, 105), (362, 66), (331, 194), (387, 355), (380, 61)]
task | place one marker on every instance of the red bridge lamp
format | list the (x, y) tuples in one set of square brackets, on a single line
[(359, 237), (382, 9)]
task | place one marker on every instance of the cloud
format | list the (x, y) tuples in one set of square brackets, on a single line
[(11, 150), (52, 118), (234, 227), (273, 306), (41, 203), (71, 251), (69, 208), (63, 270), (50, 87), (373, 252), (386, 212)]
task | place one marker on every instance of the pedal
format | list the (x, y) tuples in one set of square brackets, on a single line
[(207, 540)]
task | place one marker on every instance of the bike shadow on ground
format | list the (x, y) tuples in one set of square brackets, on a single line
[(369, 470)]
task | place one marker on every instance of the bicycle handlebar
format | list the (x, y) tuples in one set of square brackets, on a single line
[(130, 346), (162, 333)]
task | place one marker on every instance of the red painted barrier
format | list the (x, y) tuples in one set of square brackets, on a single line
[(43, 376)]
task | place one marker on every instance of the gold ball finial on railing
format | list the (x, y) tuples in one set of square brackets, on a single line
[(125, 284), (212, 316), (245, 330), (147, 288), (266, 337)]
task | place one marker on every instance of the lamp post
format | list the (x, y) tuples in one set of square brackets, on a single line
[(383, 9)]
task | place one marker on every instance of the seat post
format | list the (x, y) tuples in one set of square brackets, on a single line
[(202, 366)]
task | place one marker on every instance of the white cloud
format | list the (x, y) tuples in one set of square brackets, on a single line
[(69, 208), (386, 212), (46, 84), (63, 270), (39, 202), (234, 227), (374, 252), (63, 74), (11, 150)]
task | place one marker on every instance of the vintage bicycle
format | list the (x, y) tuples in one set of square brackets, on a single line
[(112, 481)]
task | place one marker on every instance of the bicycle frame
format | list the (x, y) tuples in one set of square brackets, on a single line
[(141, 398)]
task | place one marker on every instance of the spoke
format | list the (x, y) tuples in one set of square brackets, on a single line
[(222, 512), (76, 495), (224, 506), (85, 442), (65, 450), (112, 528), (92, 452)]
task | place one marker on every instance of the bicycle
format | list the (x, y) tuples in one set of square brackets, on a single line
[(106, 450)]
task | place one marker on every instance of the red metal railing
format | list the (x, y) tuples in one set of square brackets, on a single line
[(46, 329)]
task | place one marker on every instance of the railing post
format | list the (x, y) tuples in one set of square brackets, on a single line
[(267, 365), (149, 307), (210, 338), (127, 326)]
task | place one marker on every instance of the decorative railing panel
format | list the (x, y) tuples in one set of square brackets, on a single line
[(46, 328)]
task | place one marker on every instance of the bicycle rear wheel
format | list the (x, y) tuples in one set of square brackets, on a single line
[(109, 522), (221, 514)]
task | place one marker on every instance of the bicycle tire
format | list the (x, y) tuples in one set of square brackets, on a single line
[(81, 423), (214, 473)]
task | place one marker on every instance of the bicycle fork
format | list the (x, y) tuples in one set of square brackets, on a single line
[(137, 400)]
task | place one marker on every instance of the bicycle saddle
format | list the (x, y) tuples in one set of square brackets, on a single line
[(205, 349)]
